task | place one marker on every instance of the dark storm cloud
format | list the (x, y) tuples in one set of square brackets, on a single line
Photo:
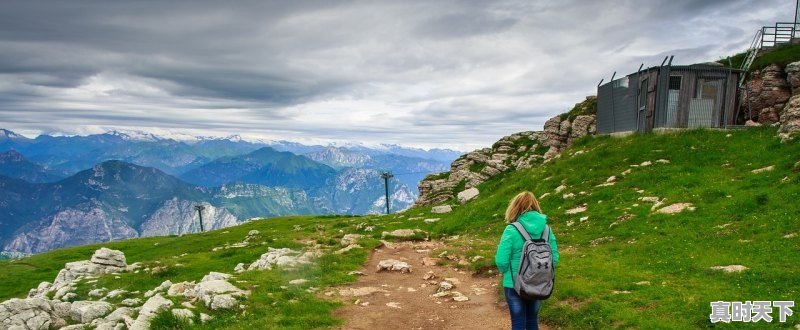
[(449, 73)]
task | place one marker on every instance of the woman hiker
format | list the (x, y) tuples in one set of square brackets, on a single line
[(525, 209)]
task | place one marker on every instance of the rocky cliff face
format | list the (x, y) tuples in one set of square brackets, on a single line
[(769, 93), (361, 191), (339, 157), (76, 226), (516, 151), (94, 223), (177, 217)]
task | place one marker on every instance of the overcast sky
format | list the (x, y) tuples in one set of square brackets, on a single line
[(458, 74)]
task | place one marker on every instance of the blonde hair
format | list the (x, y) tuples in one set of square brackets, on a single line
[(521, 203)]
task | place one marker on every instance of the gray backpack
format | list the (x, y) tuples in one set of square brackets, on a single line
[(536, 275)]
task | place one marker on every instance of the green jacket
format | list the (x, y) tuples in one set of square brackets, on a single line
[(510, 248)]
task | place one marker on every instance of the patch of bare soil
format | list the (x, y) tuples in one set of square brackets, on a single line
[(396, 300)]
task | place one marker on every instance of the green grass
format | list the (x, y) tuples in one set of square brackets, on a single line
[(437, 176), (741, 218), (587, 107), (781, 56)]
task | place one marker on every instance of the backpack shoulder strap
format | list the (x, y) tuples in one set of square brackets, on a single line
[(546, 234), (521, 230)]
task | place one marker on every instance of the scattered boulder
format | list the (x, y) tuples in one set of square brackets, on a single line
[(576, 210), (182, 289), (96, 293), (458, 296), (131, 302), (214, 276), (730, 268), (350, 239), (119, 314), (442, 209), (429, 276), (763, 169), (393, 304), (218, 294), (239, 268), (153, 306), (116, 293), (431, 220), (108, 257), (31, 313), (223, 301), (40, 291), (88, 311), (161, 288), (284, 258), (676, 208), (650, 199), (394, 265), (445, 286), (468, 195)]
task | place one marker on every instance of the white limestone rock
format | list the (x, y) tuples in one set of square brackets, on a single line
[(108, 257), (442, 209), (87, 311), (153, 306), (182, 289), (31, 313), (394, 265), (468, 195), (350, 239), (215, 276)]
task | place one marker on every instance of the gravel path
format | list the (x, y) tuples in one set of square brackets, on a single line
[(394, 300)]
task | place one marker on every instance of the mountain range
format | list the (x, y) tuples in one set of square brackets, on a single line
[(146, 185)]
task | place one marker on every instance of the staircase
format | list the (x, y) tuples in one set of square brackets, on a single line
[(752, 52)]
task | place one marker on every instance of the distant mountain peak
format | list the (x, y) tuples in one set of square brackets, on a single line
[(134, 135), (9, 135)]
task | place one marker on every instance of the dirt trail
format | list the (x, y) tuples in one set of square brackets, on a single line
[(380, 300)]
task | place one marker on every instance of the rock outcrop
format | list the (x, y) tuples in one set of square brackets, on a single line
[(40, 312), (517, 151), (790, 120), (793, 76), (284, 258), (767, 93)]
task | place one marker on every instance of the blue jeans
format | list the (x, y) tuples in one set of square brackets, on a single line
[(524, 313)]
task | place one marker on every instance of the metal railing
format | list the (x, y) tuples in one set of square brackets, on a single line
[(752, 52), (780, 33)]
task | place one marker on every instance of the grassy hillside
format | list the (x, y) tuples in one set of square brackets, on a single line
[(623, 267)]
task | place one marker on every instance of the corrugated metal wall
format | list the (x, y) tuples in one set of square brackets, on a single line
[(616, 106), (695, 96)]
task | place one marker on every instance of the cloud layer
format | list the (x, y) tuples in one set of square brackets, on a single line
[(455, 74)]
